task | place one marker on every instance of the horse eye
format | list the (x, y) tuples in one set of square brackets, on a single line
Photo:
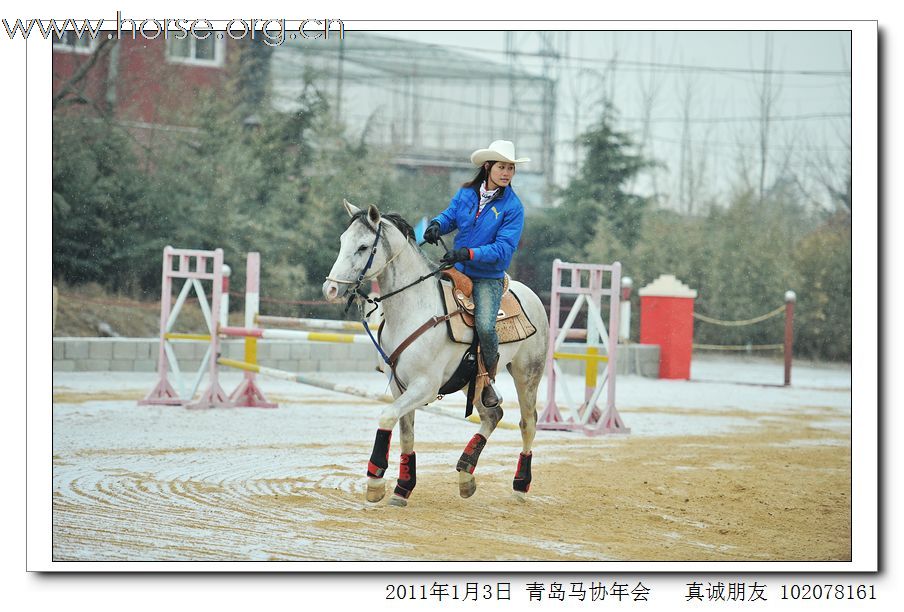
[(362, 248)]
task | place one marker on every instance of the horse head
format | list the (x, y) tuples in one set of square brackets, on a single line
[(363, 252)]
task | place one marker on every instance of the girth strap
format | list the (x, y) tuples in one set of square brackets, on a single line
[(428, 324)]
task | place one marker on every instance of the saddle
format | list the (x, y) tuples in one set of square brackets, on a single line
[(512, 323)]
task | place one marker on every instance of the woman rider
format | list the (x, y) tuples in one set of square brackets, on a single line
[(489, 218)]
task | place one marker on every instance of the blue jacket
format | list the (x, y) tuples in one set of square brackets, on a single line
[(492, 237)]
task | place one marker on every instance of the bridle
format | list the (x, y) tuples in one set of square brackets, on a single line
[(357, 293)]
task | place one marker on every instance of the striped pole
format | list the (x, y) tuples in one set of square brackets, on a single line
[(302, 378), (338, 388), (327, 324), (292, 334), (248, 393), (180, 336), (252, 302), (224, 299)]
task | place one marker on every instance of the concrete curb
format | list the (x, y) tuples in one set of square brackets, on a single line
[(140, 355)]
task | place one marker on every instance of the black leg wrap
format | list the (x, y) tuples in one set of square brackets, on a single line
[(379, 458), (407, 476), (468, 460), (522, 474)]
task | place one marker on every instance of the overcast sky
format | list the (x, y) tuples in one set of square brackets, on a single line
[(715, 78)]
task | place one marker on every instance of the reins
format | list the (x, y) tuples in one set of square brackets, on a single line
[(357, 293)]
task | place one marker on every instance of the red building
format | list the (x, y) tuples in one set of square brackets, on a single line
[(139, 82)]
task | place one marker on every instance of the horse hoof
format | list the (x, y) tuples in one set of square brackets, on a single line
[(519, 496), (376, 490), (467, 484), (395, 500)]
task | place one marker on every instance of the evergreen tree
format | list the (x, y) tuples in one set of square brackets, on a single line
[(104, 213), (600, 188), (596, 205)]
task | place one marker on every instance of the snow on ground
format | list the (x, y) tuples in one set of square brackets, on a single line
[(713, 400), (174, 483)]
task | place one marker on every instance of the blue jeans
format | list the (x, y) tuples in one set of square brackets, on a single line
[(487, 296)]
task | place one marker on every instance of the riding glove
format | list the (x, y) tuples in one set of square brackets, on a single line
[(432, 233), (455, 255)]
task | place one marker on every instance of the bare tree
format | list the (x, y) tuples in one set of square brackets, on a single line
[(686, 179), (649, 90), (767, 96), (825, 172), (838, 184), (71, 92)]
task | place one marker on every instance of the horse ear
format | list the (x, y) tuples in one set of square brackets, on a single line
[(350, 208), (373, 215)]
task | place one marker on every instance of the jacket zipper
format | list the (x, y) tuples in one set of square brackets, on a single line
[(495, 197)]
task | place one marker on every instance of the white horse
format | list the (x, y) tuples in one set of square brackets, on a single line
[(430, 360)]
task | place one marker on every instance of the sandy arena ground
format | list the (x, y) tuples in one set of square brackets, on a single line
[(711, 471)]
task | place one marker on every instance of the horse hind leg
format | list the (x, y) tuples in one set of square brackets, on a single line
[(407, 463), (527, 380), (467, 463)]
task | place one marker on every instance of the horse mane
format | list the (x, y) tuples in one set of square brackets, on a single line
[(399, 223), (395, 218)]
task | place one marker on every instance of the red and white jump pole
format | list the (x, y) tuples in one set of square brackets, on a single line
[(248, 394)]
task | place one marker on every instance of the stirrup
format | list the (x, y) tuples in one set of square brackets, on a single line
[(488, 388)]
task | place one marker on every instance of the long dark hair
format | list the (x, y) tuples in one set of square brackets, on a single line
[(481, 176)]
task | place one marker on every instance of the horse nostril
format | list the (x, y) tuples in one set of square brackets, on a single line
[(330, 290)]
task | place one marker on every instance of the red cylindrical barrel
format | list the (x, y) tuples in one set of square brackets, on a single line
[(667, 319)]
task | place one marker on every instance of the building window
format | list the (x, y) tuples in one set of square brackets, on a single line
[(210, 51), (73, 43)]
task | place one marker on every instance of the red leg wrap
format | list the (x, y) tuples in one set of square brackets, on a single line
[(468, 460), (407, 475)]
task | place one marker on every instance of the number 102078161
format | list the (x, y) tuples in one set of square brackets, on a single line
[(828, 591)]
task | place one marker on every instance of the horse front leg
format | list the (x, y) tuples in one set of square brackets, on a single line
[(418, 393), (467, 463), (407, 462)]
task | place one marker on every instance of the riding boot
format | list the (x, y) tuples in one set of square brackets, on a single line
[(490, 398)]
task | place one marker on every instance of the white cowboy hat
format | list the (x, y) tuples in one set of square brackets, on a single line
[(499, 150)]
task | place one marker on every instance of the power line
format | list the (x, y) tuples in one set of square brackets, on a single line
[(735, 145), (615, 62), (802, 117), (566, 115)]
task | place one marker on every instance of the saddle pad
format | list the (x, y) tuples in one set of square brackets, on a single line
[(512, 323)]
